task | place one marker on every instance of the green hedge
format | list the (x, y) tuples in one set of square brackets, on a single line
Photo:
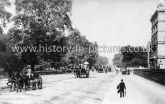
[(156, 75)]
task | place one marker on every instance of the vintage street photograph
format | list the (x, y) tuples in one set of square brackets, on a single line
[(82, 51)]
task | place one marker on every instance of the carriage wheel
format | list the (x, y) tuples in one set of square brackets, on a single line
[(33, 85), (80, 74), (39, 83), (87, 75), (75, 74), (12, 87)]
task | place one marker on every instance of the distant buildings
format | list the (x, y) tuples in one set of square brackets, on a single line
[(156, 57)]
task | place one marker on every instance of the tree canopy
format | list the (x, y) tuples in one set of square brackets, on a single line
[(102, 61), (79, 49), (41, 22), (132, 56), (39, 26), (4, 15)]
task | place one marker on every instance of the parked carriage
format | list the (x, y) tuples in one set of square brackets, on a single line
[(100, 70), (81, 71), (20, 81), (125, 72)]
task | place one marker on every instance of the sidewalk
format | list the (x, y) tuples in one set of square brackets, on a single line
[(139, 91), (112, 96)]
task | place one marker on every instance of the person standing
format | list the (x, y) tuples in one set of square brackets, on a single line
[(121, 88)]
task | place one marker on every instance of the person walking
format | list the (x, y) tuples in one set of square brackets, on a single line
[(121, 88)]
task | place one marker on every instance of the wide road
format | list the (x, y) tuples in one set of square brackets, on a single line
[(100, 88), (139, 91), (62, 89)]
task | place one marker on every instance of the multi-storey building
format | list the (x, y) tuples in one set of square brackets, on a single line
[(157, 45)]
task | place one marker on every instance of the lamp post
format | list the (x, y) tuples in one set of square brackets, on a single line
[(160, 63), (155, 62)]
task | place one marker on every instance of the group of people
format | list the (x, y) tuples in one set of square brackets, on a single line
[(101, 69)]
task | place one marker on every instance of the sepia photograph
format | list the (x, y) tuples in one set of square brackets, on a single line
[(82, 51)]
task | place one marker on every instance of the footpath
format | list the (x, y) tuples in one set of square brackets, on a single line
[(139, 91)]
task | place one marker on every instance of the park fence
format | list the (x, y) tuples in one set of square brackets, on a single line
[(49, 72), (155, 75)]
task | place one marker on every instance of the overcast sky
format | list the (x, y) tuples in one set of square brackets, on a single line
[(114, 22)]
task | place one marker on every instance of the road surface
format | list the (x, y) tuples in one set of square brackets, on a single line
[(63, 89), (100, 88)]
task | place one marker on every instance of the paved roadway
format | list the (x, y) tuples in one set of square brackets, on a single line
[(100, 88), (63, 89)]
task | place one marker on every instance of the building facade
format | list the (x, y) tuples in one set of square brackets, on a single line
[(157, 44), (148, 53)]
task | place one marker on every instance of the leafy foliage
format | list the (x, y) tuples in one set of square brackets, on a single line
[(36, 22), (131, 56), (41, 22), (117, 60), (101, 61), (79, 49), (4, 15)]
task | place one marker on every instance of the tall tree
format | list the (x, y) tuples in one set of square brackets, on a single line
[(117, 60), (134, 56), (8, 60), (79, 49), (40, 22), (101, 61)]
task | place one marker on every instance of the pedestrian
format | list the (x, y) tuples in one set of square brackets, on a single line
[(121, 88)]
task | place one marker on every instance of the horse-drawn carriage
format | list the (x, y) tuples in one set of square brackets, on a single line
[(81, 70), (19, 81), (100, 70), (126, 72)]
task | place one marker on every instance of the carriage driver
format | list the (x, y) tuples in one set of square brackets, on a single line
[(29, 71)]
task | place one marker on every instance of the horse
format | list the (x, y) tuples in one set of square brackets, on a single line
[(18, 81), (15, 82), (12, 83)]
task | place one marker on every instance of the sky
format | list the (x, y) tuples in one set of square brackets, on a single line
[(114, 22)]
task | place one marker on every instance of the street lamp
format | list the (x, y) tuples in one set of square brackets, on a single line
[(154, 62), (160, 63)]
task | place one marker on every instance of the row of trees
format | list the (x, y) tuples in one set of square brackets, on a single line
[(42, 22), (131, 56), (101, 61)]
